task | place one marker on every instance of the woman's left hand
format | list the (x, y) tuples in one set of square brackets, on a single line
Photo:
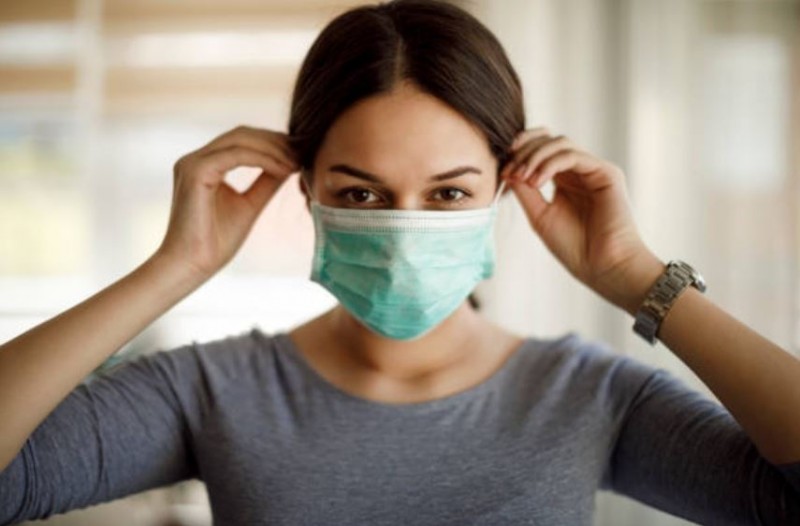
[(588, 225)]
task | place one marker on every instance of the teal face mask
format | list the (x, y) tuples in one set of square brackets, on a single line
[(402, 272)]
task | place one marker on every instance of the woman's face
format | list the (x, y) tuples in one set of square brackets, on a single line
[(404, 150)]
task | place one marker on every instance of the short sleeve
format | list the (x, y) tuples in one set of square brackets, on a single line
[(681, 452), (123, 432)]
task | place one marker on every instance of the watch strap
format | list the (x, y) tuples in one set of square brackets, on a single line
[(661, 296)]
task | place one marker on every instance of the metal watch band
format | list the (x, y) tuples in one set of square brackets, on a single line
[(677, 276)]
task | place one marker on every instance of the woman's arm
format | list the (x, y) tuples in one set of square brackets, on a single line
[(757, 381), (589, 227), (209, 221), (678, 451), (41, 366), (132, 428)]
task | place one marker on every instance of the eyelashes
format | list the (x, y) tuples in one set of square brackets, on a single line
[(359, 195), (347, 193)]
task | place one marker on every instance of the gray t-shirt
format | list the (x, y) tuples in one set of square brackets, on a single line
[(276, 443)]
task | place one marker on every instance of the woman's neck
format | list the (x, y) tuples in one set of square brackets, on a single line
[(449, 344), (461, 352)]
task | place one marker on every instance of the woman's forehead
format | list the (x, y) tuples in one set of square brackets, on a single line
[(407, 128)]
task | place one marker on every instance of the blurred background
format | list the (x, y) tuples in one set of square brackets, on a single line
[(697, 100)]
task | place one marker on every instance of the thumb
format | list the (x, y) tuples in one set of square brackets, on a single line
[(262, 189), (532, 201)]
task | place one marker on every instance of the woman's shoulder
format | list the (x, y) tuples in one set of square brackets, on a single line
[(234, 355), (573, 363), (576, 351), (214, 363)]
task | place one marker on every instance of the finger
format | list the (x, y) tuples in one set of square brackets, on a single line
[(252, 136), (212, 167), (262, 190), (522, 153), (566, 188), (267, 141), (570, 181), (533, 203), (552, 147), (593, 177), (529, 134)]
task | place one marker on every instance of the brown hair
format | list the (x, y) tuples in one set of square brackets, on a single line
[(442, 49)]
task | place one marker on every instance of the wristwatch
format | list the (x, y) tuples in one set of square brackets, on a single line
[(662, 295)]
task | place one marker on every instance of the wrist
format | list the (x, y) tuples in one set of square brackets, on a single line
[(176, 271), (631, 288)]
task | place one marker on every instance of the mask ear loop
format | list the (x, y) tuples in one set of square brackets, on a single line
[(499, 192), (307, 186)]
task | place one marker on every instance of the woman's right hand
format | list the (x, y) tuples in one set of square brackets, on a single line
[(208, 223), (210, 220)]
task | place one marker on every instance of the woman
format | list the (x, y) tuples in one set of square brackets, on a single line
[(402, 404)]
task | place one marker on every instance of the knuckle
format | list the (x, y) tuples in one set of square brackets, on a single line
[(570, 156), (615, 170), (564, 153), (545, 164), (559, 144), (549, 150), (561, 157), (230, 150), (179, 166)]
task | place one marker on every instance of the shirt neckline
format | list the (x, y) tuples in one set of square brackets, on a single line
[(290, 350)]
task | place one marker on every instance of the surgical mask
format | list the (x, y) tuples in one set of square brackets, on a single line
[(402, 272)]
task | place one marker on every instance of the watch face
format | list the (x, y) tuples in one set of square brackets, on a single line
[(699, 282)]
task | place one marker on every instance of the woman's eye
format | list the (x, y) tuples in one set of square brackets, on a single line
[(452, 194), (362, 196), (355, 195)]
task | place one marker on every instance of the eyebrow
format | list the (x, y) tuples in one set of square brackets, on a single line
[(355, 172)]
